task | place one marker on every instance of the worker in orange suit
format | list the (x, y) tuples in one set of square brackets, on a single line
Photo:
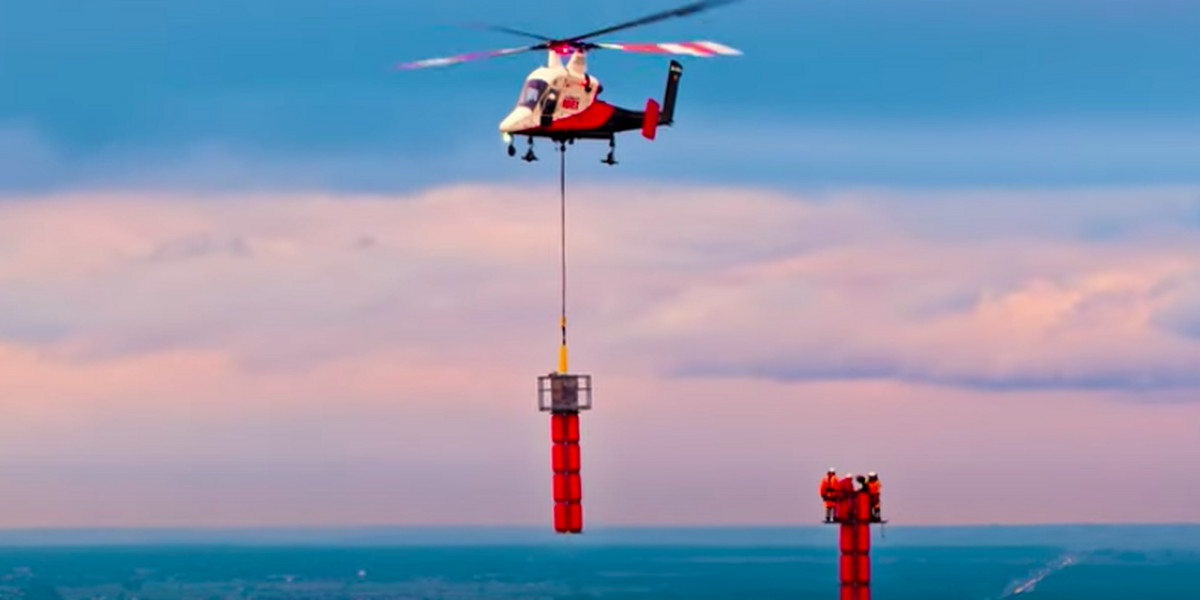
[(829, 493), (873, 493)]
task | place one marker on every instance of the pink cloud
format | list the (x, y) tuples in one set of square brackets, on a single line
[(200, 359)]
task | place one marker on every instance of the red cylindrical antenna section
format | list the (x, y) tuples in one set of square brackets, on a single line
[(848, 575), (845, 504), (565, 462), (853, 514), (849, 541), (862, 561), (564, 427), (863, 568), (862, 507), (849, 562), (563, 396)]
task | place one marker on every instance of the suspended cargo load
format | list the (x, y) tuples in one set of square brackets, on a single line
[(563, 396)]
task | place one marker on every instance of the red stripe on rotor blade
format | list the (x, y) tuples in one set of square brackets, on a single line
[(643, 48), (698, 48)]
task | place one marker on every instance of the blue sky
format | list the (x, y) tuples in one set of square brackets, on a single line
[(299, 94)]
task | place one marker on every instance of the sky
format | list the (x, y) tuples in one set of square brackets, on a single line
[(252, 275)]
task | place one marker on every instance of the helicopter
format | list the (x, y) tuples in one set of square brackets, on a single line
[(560, 101)]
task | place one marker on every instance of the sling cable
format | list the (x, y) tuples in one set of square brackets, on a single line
[(563, 395)]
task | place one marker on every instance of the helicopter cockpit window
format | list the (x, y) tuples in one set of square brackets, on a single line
[(532, 93)]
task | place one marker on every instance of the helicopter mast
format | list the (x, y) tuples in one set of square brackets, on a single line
[(577, 65)]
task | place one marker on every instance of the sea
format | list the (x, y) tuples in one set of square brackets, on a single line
[(1077, 562)]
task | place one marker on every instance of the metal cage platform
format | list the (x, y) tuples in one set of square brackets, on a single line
[(562, 392)]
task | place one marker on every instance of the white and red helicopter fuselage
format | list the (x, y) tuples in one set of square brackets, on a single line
[(561, 102)]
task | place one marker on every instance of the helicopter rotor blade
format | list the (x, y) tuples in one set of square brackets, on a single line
[(682, 11), (509, 30), (699, 48), (460, 58)]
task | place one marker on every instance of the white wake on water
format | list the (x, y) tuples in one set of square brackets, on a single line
[(1028, 583)]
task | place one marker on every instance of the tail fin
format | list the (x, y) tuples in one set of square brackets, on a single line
[(667, 116)]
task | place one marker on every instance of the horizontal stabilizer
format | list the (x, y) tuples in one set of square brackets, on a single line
[(650, 121)]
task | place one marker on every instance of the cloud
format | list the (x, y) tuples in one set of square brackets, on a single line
[(188, 439), (912, 288), (180, 355), (996, 289), (1092, 326)]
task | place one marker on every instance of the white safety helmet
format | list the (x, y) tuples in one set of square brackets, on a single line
[(872, 474)]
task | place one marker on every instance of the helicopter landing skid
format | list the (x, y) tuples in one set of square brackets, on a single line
[(611, 159), (529, 155)]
